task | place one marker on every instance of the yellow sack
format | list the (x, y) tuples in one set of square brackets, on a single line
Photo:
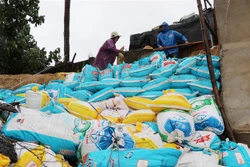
[(59, 158), (138, 103), (170, 101), (145, 115), (111, 118), (34, 157), (4, 161), (21, 94), (66, 101), (82, 110), (145, 137)]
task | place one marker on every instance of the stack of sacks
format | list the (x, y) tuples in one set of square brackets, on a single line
[(135, 108), (203, 85)]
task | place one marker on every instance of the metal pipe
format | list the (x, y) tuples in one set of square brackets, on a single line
[(228, 128)]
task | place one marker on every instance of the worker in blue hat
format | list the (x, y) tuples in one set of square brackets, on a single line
[(167, 38)]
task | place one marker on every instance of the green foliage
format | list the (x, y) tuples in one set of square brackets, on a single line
[(19, 52)]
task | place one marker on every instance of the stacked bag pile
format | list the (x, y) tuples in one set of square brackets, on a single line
[(153, 112)]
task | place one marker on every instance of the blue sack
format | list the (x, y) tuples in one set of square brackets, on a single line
[(164, 72), (204, 87), (91, 86), (4, 93), (126, 69), (187, 92), (51, 130), (184, 66), (117, 70), (134, 82), (54, 108), (72, 85), (202, 71), (157, 85), (201, 60), (83, 95), (102, 95), (106, 73), (180, 81), (151, 94), (142, 71), (128, 91), (12, 99), (234, 154), (24, 88), (63, 91), (144, 61), (167, 157), (114, 83), (157, 57), (89, 73)]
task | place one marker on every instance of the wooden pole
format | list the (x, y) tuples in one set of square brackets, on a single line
[(228, 128)]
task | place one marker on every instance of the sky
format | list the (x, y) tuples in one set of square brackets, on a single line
[(92, 21)]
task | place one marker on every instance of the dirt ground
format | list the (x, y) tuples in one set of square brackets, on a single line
[(16, 81)]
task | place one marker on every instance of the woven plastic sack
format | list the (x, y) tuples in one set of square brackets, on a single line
[(234, 154), (180, 81), (91, 86), (151, 94), (203, 72), (144, 136), (83, 110), (170, 101), (89, 73), (164, 72), (40, 127), (168, 62), (83, 95), (142, 71), (106, 73), (102, 136), (111, 82), (24, 88), (204, 87), (134, 82), (117, 69), (206, 114), (143, 115), (72, 85), (63, 91), (134, 157), (204, 140), (157, 85), (157, 57), (183, 67), (128, 91), (201, 60), (126, 69), (175, 125), (198, 159), (138, 103), (187, 92), (102, 95), (144, 61)]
